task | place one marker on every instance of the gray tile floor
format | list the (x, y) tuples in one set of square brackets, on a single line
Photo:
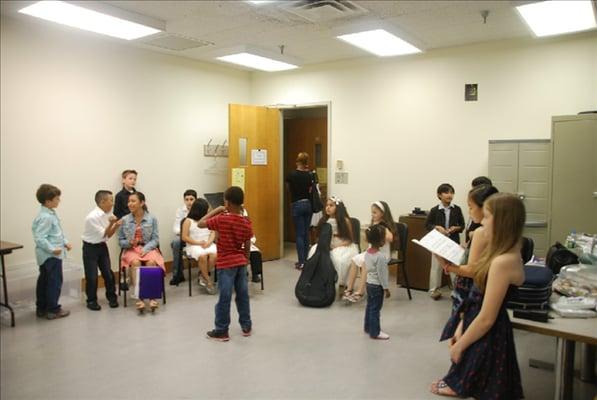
[(295, 352)]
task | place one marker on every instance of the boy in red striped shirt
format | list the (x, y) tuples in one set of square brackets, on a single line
[(234, 244)]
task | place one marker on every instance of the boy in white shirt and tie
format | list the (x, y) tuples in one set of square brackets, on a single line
[(100, 225)]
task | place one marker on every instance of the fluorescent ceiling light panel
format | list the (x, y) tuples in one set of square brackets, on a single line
[(548, 18), (89, 20), (257, 62), (380, 43)]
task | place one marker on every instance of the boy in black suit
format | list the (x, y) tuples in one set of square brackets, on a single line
[(447, 218)]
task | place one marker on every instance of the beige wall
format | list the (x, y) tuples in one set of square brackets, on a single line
[(401, 125), (78, 109)]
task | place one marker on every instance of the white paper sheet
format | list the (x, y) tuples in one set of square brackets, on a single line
[(442, 245)]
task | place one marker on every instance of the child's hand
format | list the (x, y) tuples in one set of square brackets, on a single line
[(56, 252), (113, 219), (220, 210), (387, 292), (455, 353), (118, 223), (68, 246)]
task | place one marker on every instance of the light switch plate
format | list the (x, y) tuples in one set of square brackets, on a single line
[(341, 178)]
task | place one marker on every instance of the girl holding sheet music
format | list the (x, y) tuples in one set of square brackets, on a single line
[(478, 242), (482, 349)]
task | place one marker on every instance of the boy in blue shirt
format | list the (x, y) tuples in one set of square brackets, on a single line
[(50, 246)]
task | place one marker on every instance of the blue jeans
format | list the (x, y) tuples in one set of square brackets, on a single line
[(301, 216), (228, 279), (176, 267), (49, 284), (374, 303)]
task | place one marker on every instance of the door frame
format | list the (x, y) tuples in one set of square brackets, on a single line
[(283, 107)]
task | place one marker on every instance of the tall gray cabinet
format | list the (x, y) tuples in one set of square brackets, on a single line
[(574, 176), (524, 167)]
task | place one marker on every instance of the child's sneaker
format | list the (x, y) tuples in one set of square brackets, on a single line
[(219, 336), (246, 332), (381, 336)]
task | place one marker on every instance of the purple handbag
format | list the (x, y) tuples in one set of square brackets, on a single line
[(151, 282)]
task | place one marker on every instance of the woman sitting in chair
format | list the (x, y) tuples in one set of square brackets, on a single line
[(139, 239)]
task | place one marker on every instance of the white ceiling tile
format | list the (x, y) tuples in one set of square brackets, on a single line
[(432, 24)]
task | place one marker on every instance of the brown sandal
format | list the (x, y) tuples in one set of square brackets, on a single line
[(140, 305)]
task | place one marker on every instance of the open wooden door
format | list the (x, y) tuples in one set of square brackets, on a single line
[(252, 128)]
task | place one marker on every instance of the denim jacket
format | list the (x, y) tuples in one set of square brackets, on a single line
[(149, 228), (48, 235)]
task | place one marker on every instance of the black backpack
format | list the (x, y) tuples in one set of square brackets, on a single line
[(316, 287), (559, 256)]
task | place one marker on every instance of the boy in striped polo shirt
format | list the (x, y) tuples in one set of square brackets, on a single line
[(234, 244)]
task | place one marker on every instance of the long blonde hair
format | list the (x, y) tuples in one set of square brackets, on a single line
[(508, 222)]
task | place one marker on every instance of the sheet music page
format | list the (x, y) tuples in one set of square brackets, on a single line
[(441, 245)]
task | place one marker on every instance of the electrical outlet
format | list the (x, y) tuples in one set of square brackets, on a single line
[(341, 178)]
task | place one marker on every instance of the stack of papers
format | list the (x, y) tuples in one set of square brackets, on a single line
[(442, 245)]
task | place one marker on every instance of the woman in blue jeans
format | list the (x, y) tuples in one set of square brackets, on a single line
[(299, 184)]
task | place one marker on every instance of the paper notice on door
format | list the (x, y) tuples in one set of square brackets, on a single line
[(238, 177), (322, 175), (442, 245), (258, 157)]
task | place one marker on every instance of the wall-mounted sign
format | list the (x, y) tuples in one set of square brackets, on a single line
[(238, 177), (470, 92), (258, 157)]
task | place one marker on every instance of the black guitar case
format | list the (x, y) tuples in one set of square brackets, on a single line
[(316, 287)]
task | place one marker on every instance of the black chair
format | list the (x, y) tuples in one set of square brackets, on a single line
[(356, 232), (526, 252), (123, 285), (400, 242)]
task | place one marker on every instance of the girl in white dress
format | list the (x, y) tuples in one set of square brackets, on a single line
[(343, 249), (380, 214), (200, 243)]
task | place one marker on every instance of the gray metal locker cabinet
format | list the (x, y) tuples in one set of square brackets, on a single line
[(574, 176), (523, 167)]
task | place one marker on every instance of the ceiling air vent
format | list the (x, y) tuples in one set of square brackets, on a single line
[(324, 10), (173, 41)]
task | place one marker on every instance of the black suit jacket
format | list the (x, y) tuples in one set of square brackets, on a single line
[(438, 217), (121, 203)]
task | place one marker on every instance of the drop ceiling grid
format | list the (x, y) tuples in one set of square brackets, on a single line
[(432, 24)]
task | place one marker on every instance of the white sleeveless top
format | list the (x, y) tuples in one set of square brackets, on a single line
[(197, 233)]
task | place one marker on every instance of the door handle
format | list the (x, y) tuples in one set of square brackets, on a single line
[(595, 195), (521, 196)]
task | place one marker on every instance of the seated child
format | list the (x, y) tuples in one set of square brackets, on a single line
[(200, 243), (343, 249), (254, 257), (189, 196)]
